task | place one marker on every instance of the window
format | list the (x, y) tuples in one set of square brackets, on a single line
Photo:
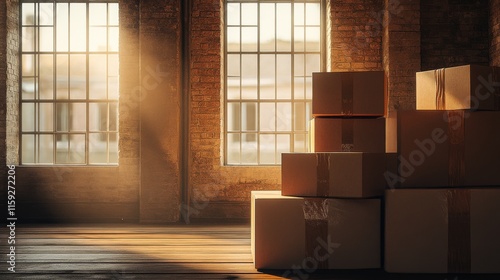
[(271, 50), (69, 82)]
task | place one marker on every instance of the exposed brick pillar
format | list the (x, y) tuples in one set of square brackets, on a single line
[(495, 32), (401, 45), (9, 80), (356, 35), (160, 88)]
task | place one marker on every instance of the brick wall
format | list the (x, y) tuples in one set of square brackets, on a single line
[(454, 33), (216, 191), (401, 47), (356, 34), (160, 64), (495, 32)]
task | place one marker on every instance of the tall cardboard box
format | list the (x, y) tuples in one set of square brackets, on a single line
[(360, 93), (329, 134), (448, 148), (349, 174), (442, 230), (303, 233), (462, 87)]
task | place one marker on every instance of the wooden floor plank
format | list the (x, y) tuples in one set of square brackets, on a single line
[(177, 252)]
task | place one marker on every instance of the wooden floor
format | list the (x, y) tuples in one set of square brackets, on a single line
[(151, 252)]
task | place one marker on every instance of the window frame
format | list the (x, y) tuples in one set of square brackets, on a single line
[(111, 103), (258, 101)]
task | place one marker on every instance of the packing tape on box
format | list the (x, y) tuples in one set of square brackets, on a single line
[(347, 93), (347, 135), (316, 222), (459, 230), (439, 77), (323, 174), (456, 161)]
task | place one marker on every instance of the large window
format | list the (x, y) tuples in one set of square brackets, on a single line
[(271, 50), (69, 82)]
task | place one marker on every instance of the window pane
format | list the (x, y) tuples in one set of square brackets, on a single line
[(113, 68), (234, 119), (62, 148), (78, 26), (46, 83), (299, 116), (249, 76), (267, 76), (98, 39), (298, 14), (46, 39), (284, 116), (267, 27), (97, 76), (62, 28), (113, 40), (46, 117), (113, 14), (233, 13), (62, 76), (233, 87), (249, 148), (98, 116), (97, 14), (98, 145), (283, 143), (300, 144), (233, 148), (28, 119), (46, 14), (284, 26), (28, 148), (113, 117), (267, 149), (267, 117), (312, 13), (62, 116), (113, 148), (28, 65), (29, 38), (233, 39), (249, 41), (284, 76), (299, 39), (78, 76), (29, 88), (249, 116), (46, 149), (28, 15), (249, 15), (78, 117), (77, 148)]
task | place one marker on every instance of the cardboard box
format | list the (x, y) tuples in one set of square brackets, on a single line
[(349, 93), (294, 233), (442, 231), (448, 148), (462, 87), (350, 175), (329, 134)]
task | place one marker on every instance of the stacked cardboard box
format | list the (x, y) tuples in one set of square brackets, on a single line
[(442, 215), (328, 214)]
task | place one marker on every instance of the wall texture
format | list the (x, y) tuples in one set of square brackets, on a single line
[(398, 36), (356, 35), (454, 33), (495, 32)]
